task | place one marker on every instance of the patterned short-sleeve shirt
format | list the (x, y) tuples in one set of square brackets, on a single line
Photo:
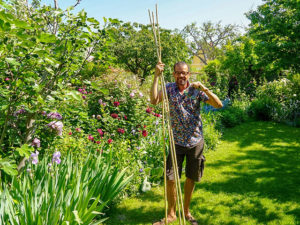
[(185, 114)]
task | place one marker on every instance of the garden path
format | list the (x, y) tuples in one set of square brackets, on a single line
[(252, 178)]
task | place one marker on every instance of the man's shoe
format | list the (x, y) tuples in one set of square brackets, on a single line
[(191, 219)]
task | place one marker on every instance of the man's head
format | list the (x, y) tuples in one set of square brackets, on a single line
[(181, 73)]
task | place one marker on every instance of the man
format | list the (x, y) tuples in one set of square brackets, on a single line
[(184, 100)]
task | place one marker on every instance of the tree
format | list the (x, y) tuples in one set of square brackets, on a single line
[(207, 40), (41, 52), (275, 27), (134, 47)]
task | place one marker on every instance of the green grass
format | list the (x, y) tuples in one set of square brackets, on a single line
[(252, 178)]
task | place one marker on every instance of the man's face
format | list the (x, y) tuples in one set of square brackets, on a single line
[(181, 74)]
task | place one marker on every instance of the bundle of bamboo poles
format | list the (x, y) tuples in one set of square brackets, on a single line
[(166, 118)]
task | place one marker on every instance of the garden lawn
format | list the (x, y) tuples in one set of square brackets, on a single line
[(252, 178)]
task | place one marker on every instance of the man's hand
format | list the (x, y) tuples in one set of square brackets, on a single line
[(159, 69), (198, 85)]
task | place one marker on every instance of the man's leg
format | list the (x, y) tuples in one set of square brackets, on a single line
[(188, 191), (171, 196)]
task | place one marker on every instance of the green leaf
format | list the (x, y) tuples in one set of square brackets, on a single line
[(47, 38), (22, 24), (8, 167), (77, 219), (12, 61), (25, 150), (74, 95)]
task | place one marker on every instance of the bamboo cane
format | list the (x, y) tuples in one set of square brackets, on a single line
[(164, 134), (171, 136), (166, 111)]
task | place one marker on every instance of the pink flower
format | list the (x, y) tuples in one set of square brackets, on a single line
[(91, 138), (131, 95), (36, 143), (78, 129), (116, 104), (114, 115), (109, 141), (7, 79), (125, 117), (98, 142), (83, 96), (70, 133), (79, 89), (100, 131)]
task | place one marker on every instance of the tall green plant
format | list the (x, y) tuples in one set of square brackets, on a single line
[(68, 193)]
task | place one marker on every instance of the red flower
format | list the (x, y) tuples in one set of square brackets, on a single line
[(100, 131), (70, 133), (125, 117), (121, 131), (148, 110), (98, 142), (144, 133), (109, 141), (145, 126), (116, 104), (114, 115)]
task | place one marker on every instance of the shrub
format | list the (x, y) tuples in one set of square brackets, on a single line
[(210, 132), (277, 100)]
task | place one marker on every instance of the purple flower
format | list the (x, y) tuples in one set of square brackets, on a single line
[(57, 126), (36, 143), (56, 154), (131, 95), (34, 157), (54, 115), (141, 170), (20, 111), (100, 101), (141, 94), (56, 157)]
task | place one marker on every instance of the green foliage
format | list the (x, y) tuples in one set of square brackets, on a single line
[(275, 26), (134, 48), (211, 130), (43, 49), (278, 101), (236, 112), (61, 194)]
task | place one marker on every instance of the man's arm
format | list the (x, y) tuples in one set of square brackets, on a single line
[(155, 95), (213, 99)]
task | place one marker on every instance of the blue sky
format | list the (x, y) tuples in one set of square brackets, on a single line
[(172, 13)]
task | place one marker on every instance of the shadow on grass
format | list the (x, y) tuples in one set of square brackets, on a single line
[(138, 213), (271, 170)]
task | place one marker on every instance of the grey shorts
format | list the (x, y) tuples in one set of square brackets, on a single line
[(194, 162)]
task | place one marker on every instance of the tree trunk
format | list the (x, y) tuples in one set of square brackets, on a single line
[(28, 136)]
